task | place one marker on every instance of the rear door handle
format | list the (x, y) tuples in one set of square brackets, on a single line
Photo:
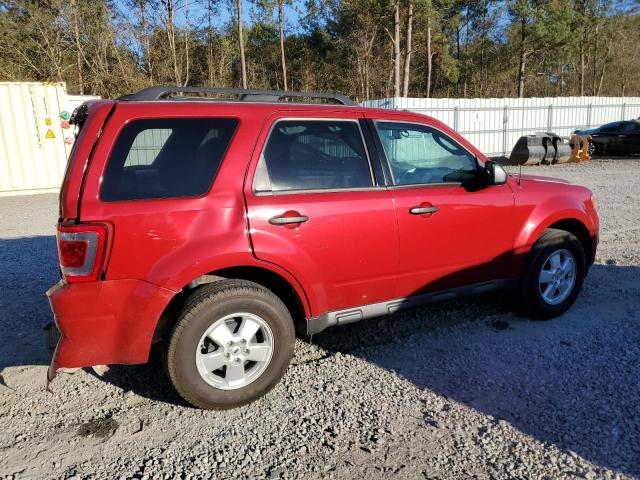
[(422, 210), (285, 220)]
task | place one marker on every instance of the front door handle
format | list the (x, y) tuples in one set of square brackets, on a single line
[(419, 210), (288, 220)]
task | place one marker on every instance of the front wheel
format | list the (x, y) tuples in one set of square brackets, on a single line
[(554, 274), (232, 343)]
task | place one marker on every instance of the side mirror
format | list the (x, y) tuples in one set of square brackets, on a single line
[(494, 174)]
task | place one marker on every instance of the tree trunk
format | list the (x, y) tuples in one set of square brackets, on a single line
[(582, 68), (186, 43), (523, 58), (243, 64), (76, 36), (283, 59), (408, 52), (595, 60), (583, 40), (171, 38), (396, 48), (210, 43), (429, 57), (146, 47)]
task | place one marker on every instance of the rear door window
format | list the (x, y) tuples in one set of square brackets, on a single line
[(313, 155), (166, 158)]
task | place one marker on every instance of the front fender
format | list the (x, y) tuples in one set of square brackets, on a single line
[(534, 216)]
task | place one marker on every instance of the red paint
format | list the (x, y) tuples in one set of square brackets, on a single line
[(357, 247)]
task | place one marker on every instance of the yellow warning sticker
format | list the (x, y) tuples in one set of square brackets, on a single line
[(47, 122), (49, 134)]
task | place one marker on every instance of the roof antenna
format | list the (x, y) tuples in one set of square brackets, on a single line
[(520, 174)]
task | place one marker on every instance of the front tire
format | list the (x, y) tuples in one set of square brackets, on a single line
[(231, 344), (553, 275)]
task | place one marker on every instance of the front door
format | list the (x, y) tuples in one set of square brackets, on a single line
[(449, 236), (315, 208)]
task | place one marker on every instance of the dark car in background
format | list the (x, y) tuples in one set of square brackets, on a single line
[(617, 138)]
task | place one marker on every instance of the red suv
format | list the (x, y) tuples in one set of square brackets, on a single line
[(217, 226)]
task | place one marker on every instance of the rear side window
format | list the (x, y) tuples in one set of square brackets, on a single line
[(166, 158), (313, 155)]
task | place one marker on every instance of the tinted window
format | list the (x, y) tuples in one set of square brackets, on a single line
[(313, 155), (610, 127), (631, 127), (419, 154), (165, 158)]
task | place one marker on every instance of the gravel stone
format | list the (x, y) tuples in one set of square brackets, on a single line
[(460, 390)]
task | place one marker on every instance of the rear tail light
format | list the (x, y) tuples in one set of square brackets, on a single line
[(81, 251)]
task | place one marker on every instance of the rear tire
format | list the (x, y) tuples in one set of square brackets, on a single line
[(553, 275), (231, 344)]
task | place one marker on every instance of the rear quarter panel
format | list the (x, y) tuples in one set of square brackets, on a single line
[(169, 242)]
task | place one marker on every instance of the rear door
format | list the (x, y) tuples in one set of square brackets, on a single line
[(449, 236), (317, 208)]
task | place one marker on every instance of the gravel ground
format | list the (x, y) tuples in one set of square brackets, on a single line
[(459, 390)]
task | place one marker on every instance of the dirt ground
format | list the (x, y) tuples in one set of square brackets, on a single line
[(457, 390)]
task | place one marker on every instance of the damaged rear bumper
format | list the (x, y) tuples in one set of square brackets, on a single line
[(104, 322)]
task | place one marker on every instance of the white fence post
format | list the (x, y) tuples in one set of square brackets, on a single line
[(505, 125), (550, 119)]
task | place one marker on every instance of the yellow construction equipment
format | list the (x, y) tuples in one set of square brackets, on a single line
[(580, 151)]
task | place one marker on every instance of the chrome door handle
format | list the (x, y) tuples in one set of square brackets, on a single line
[(282, 220), (422, 210)]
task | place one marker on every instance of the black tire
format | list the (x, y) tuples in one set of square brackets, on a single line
[(208, 304), (531, 297)]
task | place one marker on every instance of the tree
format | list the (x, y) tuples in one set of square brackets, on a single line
[(243, 63), (395, 40), (408, 51), (283, 58), (541, 25)]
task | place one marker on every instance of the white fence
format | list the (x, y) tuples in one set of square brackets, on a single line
[(495, 124), (35, 137)]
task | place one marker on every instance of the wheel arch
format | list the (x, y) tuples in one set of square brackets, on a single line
[(579, 229), (287, 289), (572, 218)]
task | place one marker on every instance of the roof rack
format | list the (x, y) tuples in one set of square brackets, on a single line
[(246, 95)]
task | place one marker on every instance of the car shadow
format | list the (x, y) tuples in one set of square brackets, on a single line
[(533, 374), (558, 381), (28, 267)]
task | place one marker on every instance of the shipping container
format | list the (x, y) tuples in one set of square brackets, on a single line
[(35, 136)]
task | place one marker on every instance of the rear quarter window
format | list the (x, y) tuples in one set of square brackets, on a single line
[(166, 158)]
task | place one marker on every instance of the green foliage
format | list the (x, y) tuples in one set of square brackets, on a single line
[(479, 48)]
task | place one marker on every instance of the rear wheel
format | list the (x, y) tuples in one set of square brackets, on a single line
[(231, 344), (591, 148), (554, 274)]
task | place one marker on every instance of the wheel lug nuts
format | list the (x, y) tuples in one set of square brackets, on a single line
[(246, 350)]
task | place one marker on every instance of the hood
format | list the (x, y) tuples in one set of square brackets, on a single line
[(540, 178)]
